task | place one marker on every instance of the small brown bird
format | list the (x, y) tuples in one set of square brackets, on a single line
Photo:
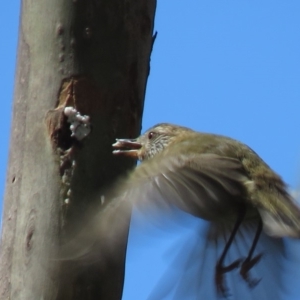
[(215, 178)]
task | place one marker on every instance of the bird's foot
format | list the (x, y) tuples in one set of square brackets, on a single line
[(219, 278), (247, 265)]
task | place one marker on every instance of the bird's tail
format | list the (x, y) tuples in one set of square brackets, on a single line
[(280, 214)]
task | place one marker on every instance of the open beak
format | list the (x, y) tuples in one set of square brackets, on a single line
[(127, 147)]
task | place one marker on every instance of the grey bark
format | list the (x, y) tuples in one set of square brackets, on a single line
[(92, 55)]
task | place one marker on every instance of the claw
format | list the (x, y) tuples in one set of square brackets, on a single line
[(247, 265), (219, 278)]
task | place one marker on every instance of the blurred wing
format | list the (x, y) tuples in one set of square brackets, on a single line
[(206, 185)]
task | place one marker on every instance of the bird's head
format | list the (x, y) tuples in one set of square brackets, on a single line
[(152, 142)]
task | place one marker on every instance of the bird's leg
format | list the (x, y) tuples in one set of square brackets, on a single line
[(250, 262), (220, 269)]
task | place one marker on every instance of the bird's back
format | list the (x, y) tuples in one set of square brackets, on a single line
[(266, 191)]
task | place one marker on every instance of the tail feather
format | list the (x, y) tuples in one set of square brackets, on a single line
[(275, 225), (280, 215)]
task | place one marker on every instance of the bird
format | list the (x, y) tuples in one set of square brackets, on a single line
[(215, 178), (209, 176)]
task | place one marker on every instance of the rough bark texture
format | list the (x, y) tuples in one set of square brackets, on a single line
[(92, 55)]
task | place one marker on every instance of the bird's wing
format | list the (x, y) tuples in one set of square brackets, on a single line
[(206, 185)]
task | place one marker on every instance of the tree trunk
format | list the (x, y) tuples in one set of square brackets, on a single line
[(92, 55)]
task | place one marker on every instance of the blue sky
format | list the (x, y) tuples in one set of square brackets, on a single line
[(9, 20), (228, 67)]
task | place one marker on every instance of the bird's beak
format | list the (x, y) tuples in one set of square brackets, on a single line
[(130, 147)]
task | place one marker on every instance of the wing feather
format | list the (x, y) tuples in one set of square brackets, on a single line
[(206, 185)]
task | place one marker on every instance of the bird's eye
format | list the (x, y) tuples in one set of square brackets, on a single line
[(150, 135)]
